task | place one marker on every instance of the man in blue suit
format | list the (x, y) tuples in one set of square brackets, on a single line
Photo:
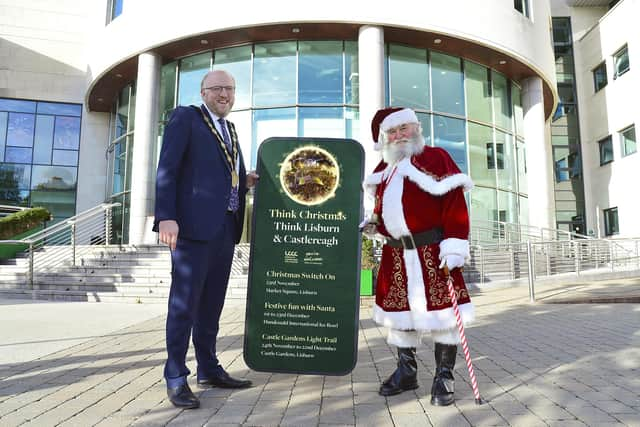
[(200, 201)]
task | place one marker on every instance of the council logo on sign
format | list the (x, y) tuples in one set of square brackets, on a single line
[(310, 175)]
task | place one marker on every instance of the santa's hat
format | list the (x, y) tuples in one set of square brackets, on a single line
[(388, 118)]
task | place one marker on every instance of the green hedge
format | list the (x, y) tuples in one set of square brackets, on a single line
[(8, 251), (367, 261), (21, 222)]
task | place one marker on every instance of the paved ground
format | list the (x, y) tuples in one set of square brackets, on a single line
[(31, 329), (537, 365)]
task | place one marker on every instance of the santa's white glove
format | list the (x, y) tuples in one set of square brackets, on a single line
[(452, 261)]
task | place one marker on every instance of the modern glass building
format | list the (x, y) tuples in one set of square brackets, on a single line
[(39, 144), (500, 93)]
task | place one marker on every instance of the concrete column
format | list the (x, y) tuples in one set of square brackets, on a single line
[(144, 142), (371, 80), (539, 157)]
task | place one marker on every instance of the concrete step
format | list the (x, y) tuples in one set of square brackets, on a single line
[(53, 295), (120, 292), (106, 283), (134, 270)]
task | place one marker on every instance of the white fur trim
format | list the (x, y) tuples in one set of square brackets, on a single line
[(374, 179), (450, 336), (392, 209), (397, 118), (403, 339), (453, 246), (371, 182), (432, 320), (429, 184)]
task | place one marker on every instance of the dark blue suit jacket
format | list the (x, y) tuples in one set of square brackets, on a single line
[(193, 181)]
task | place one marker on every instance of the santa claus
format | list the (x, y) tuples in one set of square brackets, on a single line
[(420, 211)]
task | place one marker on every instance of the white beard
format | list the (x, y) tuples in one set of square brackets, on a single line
[(401, 149)]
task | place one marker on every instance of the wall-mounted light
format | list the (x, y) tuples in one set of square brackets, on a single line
[(203, 41), (502, 62), (118, 75), (295, 30), (437, 41)]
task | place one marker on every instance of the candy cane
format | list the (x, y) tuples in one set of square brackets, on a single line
[(463, 338)]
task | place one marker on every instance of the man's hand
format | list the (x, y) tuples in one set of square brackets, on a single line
[(168, 230), (252, 179)]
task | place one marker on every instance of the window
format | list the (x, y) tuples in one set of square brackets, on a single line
[(600, 76), (491, 156), (114, 9), (450, 134), (274, 74), (611, 225), (478, 92), (620, 62), (408, 77), (447, 83), (522, 6), (39, 146), (562, 170), (606, 150), (628, 140), (562, 33), (499, 155), (482, 155), (320, 72)]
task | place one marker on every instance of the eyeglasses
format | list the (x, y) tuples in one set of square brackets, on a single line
[(218, 89)]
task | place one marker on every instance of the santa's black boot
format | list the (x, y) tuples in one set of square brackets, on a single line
[(404, 377), (442, 388)]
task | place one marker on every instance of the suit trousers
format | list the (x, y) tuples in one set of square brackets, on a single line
[(199, 279)]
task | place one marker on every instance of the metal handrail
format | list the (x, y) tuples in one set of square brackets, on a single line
[(487, 231), (13, 208), (59, 244), (533, 260), (67, 223)]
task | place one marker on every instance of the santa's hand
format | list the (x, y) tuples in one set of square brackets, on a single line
[(452, 261), (369, 229)]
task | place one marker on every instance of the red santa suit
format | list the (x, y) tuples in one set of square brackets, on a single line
[(421, 197)]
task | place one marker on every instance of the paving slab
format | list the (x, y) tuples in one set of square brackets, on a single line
[(546, 364)]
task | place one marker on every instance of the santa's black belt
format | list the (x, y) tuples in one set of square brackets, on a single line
[(416, 240)]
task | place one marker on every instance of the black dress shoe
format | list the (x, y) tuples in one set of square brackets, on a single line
[(223, 380), (183, 397)]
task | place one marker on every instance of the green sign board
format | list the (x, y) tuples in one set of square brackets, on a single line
[(304, 274)]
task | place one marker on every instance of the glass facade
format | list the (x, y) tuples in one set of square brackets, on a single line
[(565, 135), (310, 89), (39, 145), (473, 112), (304, 88), (119, 156)]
